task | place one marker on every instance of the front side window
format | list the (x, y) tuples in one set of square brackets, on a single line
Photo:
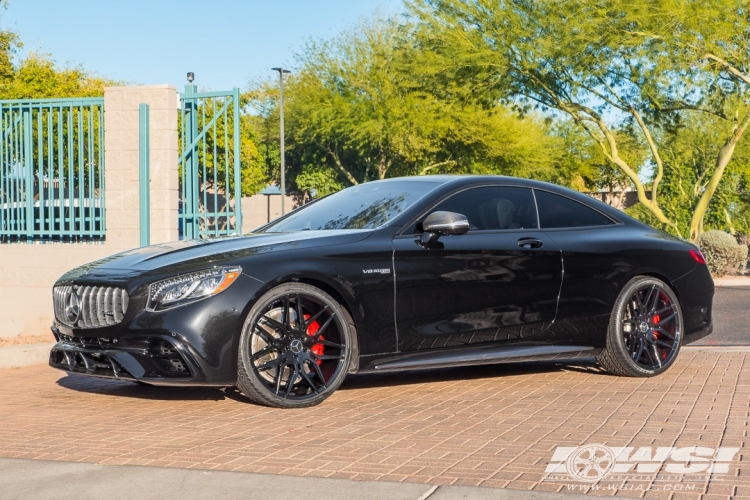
[(365, 206), (494, 207), (557, 211)]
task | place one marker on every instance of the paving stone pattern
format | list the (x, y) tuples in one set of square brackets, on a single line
[(492, 426)]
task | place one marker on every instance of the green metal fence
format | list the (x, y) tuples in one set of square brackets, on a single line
[(209, 164), (52, 170)]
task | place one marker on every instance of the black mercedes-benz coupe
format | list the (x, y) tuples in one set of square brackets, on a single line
[(398, 274)]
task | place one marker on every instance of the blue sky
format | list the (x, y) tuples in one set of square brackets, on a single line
[(226, 43)]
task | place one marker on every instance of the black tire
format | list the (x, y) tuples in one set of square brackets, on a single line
[(285, 363), (645, 330)]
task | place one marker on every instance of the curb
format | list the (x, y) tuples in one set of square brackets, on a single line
[(716, 348), (721, 282), (16, 356)]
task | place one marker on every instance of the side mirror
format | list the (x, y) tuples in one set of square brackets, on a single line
[(443, 223)]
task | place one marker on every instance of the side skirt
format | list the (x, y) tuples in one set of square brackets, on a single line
[(467, 356)]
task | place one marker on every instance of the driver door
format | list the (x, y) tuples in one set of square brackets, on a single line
[(499, 282)]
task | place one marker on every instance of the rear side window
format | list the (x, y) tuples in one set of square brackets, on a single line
[(558, 211)]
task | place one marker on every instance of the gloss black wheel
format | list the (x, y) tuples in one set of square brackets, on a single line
[(295, 347), (645, 330)]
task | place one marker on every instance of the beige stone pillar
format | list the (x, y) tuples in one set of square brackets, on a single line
[(121, 163)]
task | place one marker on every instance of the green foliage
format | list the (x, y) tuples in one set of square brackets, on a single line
[(582, 165), (319, 178), (9, 44), (36, 76), (690, 149), (724, 255), (627, 72), (215, 151), (253, 172), (361, 108)]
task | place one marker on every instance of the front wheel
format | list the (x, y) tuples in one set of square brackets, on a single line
[(295, 347), (645, 330)]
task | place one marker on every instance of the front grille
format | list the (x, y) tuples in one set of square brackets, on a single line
[(97, 306)]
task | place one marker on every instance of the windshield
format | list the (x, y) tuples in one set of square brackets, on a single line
[(365, 206)]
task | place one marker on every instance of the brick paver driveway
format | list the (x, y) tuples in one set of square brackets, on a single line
[(494, 426)]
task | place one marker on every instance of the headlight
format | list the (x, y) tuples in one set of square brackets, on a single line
[(188, 288)]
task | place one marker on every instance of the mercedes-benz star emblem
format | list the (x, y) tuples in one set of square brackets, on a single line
[(72, 308), (296, 346)]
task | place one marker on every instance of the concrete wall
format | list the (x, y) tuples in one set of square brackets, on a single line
[(255, 209), (28, 271)]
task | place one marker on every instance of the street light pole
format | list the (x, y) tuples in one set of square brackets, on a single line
[(281, 134)]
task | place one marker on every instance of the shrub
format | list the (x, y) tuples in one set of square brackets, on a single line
[(723, 254)]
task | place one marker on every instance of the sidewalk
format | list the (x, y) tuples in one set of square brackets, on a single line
[(732, 281), (16, 356), (43, 480)]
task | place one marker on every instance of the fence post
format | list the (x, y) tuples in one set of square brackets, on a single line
[(144, 174), (190, 165), (237, 166), (28, 166)]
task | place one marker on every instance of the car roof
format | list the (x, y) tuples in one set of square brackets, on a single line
[(472, 179)]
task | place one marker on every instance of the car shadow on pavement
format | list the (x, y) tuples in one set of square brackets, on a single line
[(124, 388)]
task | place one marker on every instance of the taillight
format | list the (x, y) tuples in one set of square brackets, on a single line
[(697, 256)]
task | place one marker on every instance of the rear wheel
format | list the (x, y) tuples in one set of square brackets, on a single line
[(645, 330), (295, 347)]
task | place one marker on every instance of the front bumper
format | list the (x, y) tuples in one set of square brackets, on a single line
[(154, 359), (153, 347)]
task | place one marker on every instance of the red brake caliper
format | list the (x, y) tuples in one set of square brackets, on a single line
[(656, 319), (312, 329)]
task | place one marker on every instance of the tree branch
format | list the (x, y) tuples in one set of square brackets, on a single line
[(722, 159), (654, 152), (729, 67), (343, 170), (690, 107), (436, 165)]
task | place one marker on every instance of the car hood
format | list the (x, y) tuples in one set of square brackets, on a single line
[(166, 255)]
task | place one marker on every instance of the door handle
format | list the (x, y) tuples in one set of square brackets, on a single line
[(530, 243)]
